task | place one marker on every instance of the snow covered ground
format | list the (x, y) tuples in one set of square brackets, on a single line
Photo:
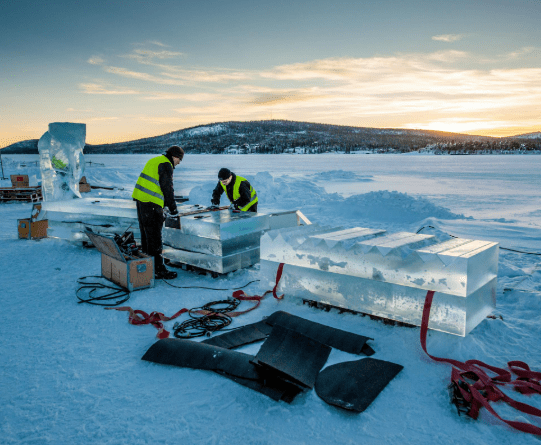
[(72, 374)]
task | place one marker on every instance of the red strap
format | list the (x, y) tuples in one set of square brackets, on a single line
[(138, 317), (278, 277), (484, 390)]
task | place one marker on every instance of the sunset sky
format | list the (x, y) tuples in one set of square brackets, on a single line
[(131, 69)]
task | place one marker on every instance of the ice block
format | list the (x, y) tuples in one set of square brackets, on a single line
[(386, 275)]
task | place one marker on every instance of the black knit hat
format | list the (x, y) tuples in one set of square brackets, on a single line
[(224, 173), (176, 152)]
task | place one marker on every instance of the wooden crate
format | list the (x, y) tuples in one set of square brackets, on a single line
[(19, 180), (29, 229), (84, 186), (132, 272)]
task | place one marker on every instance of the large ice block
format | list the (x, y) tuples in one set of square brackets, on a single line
[(214, 263), (61, 160), (222, 241), (386, 275)]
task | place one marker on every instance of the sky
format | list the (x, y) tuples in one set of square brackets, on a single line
[(132, 69)]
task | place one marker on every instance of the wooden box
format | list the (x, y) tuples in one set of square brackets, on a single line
[(29, 229), (19, 180), (132, 272), (84, 187)]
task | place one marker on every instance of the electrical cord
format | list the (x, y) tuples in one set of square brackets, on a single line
[(206, 319), (119, 294), (208, 288), (502, 248)]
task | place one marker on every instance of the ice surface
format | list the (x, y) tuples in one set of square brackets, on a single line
[(61, 160), (373, 272)]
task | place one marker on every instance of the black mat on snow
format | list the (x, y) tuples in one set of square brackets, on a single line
[(231, 364), (335, 338), (293, 356), (355, 385)]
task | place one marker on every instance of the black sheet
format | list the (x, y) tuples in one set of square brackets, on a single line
[(336, 338), (355, 385), (293, 356), (231, 364)]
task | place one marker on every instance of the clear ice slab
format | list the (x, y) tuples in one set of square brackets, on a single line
[(222, 241), (61, 160), (386, 275)]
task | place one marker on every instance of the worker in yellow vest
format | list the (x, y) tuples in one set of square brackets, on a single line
[(154, 191), (241, 194)]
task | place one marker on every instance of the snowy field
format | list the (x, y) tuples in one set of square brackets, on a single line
[(73, 374)]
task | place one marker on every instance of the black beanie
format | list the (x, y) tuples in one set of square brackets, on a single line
[(224, 173), (176, 152)]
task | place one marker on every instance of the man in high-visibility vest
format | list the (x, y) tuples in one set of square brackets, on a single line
[(154, 191), (241, 194)]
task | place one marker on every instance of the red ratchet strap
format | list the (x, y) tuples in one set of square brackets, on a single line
[(138, 317), (278, 277), (484, 389)]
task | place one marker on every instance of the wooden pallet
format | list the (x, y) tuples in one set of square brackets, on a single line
[(27, 194)]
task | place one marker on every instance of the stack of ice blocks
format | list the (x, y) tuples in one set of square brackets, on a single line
[(221, 241), (386, 275)]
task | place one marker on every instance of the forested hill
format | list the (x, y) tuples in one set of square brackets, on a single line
[(278, 136)]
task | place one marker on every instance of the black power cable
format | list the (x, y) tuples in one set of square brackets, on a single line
[(206, 319), (209, 288), (118, 296), (502, 248)]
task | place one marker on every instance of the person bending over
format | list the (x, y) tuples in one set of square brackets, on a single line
[(240, 193)]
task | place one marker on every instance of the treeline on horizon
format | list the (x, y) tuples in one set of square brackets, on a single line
[(275, 137)]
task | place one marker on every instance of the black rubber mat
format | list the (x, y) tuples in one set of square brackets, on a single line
[(355, 385), (293, 356), (336, 338), (241, 336), (231, 364)]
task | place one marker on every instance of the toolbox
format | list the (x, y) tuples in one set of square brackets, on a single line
[(132, 271)]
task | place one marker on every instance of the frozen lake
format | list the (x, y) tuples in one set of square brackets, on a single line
[(73, 374)]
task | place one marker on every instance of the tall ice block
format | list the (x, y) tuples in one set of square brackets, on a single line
[(386, 275)]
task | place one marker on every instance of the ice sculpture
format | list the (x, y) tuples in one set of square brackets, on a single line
[(61, 160), (386, 275)]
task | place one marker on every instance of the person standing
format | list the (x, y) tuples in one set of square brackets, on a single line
[(241, 194), (154, 191)]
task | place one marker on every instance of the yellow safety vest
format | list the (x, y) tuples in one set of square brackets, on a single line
[(236, 194), (147, 188)]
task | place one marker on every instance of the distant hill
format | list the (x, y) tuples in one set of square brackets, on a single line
[(279, 136), (536, 135)]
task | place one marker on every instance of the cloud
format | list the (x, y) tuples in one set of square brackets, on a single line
[(95, 60), (519, 53), (157, 43), (279, 97), (448, 37), (384, 91), (94, 88), (149, 54), (142, 76)]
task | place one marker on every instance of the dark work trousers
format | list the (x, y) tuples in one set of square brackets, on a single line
[(150, 218), (253, 208)]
